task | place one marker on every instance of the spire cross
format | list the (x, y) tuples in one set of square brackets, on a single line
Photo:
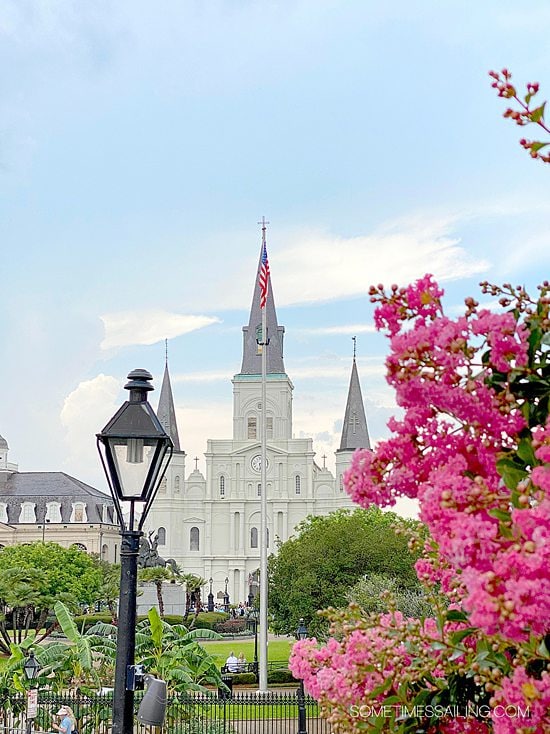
[(324, 458), (196, 460), (264, 224), (354, 340), (166, 350)]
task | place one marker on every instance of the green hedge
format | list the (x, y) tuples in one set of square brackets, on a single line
[(243, 679), (280, 676), (231, 626), (207, 620)]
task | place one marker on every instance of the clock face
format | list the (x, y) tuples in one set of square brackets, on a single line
[(256, 463)]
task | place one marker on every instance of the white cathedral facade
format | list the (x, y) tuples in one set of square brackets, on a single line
[(210, 525)]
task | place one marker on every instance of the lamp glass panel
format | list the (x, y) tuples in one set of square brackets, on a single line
[(132, 458)]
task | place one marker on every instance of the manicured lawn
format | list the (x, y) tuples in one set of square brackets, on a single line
[(220, 649)]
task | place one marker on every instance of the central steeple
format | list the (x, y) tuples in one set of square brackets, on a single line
[(252, 352), (247, 384)]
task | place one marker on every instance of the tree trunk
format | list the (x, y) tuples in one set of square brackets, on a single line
[(158, 584)]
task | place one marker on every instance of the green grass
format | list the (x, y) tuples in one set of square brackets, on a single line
[(220, 649)]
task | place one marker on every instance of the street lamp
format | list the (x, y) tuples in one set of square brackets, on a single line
[(252, 624), (301, 634), (46, 521), (226, 597), (135, 452), (31, 668), (210, 596)]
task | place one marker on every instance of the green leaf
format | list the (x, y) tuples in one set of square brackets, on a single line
[(511, 473), (460, 635), (500, 514), (538, 113), (525, 451), (66, 622), (456, 615)]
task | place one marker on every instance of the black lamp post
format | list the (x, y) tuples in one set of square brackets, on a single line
[(301, 634), (226, 597), (31, 668), (252, 624), (210, 596), (135, 452)]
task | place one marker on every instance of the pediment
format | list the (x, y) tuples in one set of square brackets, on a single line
[(256, 448)]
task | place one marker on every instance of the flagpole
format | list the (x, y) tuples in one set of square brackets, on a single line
[(263, 523), (262, 683)]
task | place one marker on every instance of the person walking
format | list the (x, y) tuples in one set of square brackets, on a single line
[(66, 725)]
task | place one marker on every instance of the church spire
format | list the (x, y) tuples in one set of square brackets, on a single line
[(355, 434), (166, 412), (252, 355)]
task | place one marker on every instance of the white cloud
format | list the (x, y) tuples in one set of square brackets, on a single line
[(321, 267), (317, 266), (85, 411), (126, 328)]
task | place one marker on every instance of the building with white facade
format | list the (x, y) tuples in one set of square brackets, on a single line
[(55, 506), (211, 524)]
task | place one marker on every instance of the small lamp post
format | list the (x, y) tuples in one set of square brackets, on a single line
[(46, 522), (252, 624), (135, 452), (301, 634), (210, 596), (31, 668), (226, 596)]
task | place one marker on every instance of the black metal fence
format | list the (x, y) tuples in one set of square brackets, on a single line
[(247, 712)]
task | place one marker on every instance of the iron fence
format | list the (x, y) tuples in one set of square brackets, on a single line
[(246, 712)]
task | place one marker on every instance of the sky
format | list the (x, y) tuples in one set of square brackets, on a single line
[(142, 142)]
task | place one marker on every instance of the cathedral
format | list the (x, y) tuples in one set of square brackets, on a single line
[(210, 525)]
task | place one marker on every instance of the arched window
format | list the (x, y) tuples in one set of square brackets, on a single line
[(222, 486), (161, 533), (27, 512), (80, 546), (252, 424), (3, 512), (254, 537), (194, 539), (104, 551), (298, 484)]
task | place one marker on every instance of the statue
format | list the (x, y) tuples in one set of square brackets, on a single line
[(148, 555)]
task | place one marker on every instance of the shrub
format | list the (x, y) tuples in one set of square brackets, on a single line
[(242, 679), (280, 676), (231, 627)]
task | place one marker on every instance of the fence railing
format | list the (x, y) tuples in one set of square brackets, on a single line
[(248, 712)]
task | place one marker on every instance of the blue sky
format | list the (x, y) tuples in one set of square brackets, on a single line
[(140, 144)]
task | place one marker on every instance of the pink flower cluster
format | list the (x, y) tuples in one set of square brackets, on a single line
[(444, 452), (454, 381), (522, 704)]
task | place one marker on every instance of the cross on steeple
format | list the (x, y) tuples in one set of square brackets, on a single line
[(354, 340), (324, 458), (196, 460), (264, 224)]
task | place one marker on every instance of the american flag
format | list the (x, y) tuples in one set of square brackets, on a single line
[(263, 278)]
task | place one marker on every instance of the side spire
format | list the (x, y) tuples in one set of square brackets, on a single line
[(355, 434), (166, 412), (252, 354)]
